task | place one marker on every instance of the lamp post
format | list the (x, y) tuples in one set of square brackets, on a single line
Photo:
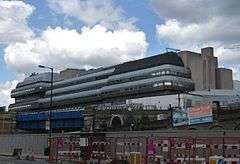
[(51, 97)]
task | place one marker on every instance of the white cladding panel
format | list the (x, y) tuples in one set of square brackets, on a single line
[(225, 97)]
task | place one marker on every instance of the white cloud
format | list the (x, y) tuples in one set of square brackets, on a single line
[(5, 90), (201, 23), (213, 31), (236, 70), (13, 21), (92, 12), (62, 48), (109, 38)]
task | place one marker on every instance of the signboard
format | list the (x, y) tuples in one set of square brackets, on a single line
[(83, 142), (47, 125), (180, 117), (200, 114)]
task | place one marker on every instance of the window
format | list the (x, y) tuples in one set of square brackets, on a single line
[(167, 83), (153, 74), (158, 84), (189, 103)]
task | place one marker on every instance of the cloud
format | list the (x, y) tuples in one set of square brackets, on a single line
[(196, 11), (201, 23), (90, 47), (92, 12), (236, 70), (5, 90), (108, 38), (213, 31), (13, 21)]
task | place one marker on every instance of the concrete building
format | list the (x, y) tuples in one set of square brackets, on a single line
[(3, 108), (71, 73), (204, 70), (156, 75), (224, 78)]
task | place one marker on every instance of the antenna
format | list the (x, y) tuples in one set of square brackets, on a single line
[(172, 50)]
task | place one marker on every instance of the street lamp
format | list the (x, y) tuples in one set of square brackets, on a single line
[(51, 102)]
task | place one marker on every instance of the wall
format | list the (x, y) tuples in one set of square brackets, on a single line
[(224, 78), (29, 143), (7, 123), (71, 73), (204, 70), (194, 62)]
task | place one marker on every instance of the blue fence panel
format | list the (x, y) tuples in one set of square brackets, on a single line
[(66, 115), (31, 117), (60, 120)]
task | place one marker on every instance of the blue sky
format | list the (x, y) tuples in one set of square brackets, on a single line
[(93, 33)]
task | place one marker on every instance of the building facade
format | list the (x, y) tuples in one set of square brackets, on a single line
[(156, 75), (205, 72), (7, 122), (224, 78)]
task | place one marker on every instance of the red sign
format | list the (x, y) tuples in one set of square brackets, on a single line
[(151, 146), (200, 111)]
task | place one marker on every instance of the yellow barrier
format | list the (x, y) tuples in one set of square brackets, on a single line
[(135, 158), (216, 160)]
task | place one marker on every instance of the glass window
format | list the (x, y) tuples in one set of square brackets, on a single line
[(160, 84), (180, 84), (167, 83)]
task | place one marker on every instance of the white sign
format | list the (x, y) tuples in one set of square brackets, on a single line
[(47, 125), (83, 142)]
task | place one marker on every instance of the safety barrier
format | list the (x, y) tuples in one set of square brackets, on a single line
[(146, 150)]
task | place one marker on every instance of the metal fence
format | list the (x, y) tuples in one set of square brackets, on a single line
[(145, 150)]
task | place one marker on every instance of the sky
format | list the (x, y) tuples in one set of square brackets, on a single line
[(95, 33)]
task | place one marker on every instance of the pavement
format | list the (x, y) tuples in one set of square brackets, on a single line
[(12, 160)]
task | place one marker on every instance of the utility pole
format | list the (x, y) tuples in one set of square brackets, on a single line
[(50, 107)]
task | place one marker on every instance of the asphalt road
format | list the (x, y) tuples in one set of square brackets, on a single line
[(11, 160)]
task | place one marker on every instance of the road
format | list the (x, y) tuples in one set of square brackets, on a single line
[(11, 160)]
